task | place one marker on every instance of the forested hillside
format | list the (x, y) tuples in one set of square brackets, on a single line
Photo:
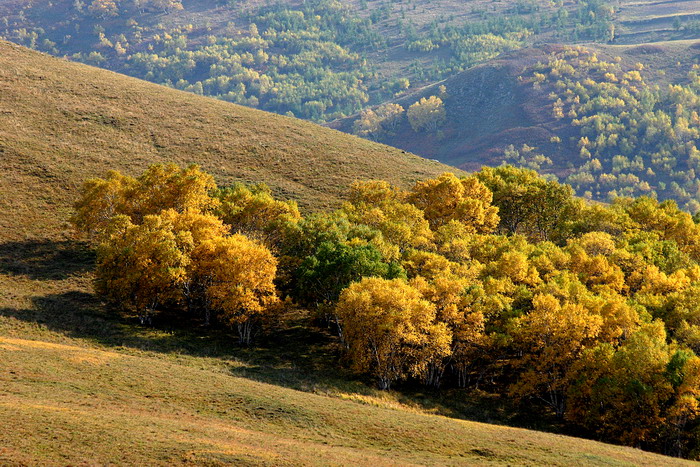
[(609, 120), (374, 61), (86, 382), (319, 60)]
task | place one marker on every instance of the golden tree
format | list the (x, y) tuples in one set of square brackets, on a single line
[(254, 212), (238, 276), (390, 330), (104, 8), (550, 339), (101, 200), (449, 198), (382, 206), (426, 114), (160, 187), (140, 266)]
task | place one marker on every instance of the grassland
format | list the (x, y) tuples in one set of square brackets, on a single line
[(71, 403), (80, 384)]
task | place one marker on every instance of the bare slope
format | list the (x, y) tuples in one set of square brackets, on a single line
[(62, 122)]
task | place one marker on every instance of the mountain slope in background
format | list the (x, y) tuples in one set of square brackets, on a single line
[(631, 106)]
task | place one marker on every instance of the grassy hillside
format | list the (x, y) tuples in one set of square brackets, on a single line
[(653, 21), (61, 123), (75, 404)]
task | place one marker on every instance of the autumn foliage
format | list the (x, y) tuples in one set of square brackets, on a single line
[(500, 280)]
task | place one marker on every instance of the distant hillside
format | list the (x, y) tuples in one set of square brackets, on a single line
[(62, 122), (318, 59), (616, 101)]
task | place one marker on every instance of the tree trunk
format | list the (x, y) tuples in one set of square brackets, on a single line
[(245, 332)]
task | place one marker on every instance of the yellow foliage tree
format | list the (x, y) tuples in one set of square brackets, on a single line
[(381, 206), (390, 115), (449, 198), (426, 114), (238, 275), (390, 330), (140, 266), (254, 212), (161, 187), (550, 339), (101, 200), (369, 125), (104, 8)]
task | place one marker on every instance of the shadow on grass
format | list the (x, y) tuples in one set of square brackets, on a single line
[(45, 260), (293, 354)]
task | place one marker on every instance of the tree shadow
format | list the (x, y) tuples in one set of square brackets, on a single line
[(45, 259), (292, 354)]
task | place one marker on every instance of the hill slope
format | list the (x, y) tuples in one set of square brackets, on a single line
[(319, 59), (62, 122), (75, 404)]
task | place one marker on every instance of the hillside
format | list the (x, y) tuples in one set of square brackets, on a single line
[(72, 403), (318, 59), (84, 385), (494, 109), (322, 59), (61, 123)]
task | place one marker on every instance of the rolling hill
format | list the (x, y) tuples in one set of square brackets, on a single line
[(61, 123), (318, 59), (83, 385)]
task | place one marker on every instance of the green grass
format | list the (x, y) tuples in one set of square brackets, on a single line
[(81, 384)]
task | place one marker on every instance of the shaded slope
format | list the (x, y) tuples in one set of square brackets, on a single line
[(61, 123), (494, 105), (487, 108)]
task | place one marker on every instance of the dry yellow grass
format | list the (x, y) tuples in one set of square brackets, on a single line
[(63, 122), (149, 408)]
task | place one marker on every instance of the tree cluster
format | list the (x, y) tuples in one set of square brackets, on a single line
[(169, 240), (501, 280)]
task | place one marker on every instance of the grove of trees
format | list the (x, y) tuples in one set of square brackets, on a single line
[(313, 59), (632, 138), (500, 280)]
